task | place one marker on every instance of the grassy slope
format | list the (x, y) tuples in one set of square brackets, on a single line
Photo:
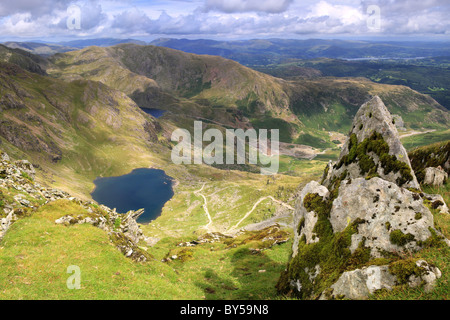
[(329, 104), (24, 59), (428, 76), (425, 139), (230, 196), (36, 253)]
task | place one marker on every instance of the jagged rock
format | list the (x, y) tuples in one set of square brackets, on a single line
[(130, 227), (368, 207), (27, 167), (4, 156), (327, 173), (373, 148), (435, 176)]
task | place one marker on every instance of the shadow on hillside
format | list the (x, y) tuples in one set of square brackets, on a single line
[(253, 277)]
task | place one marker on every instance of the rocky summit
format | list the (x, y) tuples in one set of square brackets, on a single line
[(355, 230), (374, 149)]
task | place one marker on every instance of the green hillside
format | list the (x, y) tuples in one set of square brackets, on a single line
[(74, 131), (221, 90)]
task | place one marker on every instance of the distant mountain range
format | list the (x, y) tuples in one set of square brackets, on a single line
[(261, 51), (50, 48), (269, 51)]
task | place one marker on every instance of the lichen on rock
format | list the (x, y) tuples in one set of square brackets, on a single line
[(354, 228)]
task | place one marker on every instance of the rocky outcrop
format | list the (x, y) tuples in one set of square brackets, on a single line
[(435, 176), (26, 167), (28, 195), (374, 149), (383, 211), (360, 283), (19, 176), (353, 230), (122, 229)]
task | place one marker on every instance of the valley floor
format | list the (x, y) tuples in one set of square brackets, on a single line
[(35, 253)]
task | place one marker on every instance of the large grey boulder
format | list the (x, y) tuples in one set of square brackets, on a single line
[(435, 176), (360, 283)]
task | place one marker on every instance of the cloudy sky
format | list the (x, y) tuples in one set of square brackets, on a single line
[(223, 19)]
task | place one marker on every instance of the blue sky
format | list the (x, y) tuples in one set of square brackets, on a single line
[(224, 19)]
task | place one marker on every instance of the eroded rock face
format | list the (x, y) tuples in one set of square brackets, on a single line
[(26, 167), (305, 220), (367, 208), (384, 210)]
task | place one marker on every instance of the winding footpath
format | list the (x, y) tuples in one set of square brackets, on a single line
[(415, 133), (254, 207), (205, 207)]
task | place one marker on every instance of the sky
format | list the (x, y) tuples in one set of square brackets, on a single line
[(61, 20)]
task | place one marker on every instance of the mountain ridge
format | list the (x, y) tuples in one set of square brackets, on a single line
[(178, 81), (69, 129)]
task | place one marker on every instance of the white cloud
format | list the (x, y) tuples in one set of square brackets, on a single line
[(32, 7), (231, 6), (221, 18)]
